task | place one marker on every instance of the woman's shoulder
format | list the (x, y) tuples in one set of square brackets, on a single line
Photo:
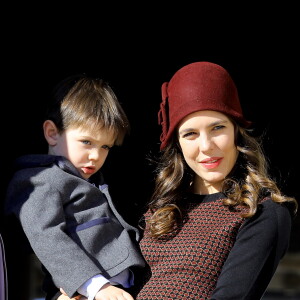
[(271, 216), (269, 208), (271, 222)]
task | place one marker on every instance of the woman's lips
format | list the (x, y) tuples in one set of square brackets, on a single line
[(211, 163)]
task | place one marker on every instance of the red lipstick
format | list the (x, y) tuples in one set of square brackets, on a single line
[(211, 162)]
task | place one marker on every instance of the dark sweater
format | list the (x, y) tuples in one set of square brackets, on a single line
[(217, 254)]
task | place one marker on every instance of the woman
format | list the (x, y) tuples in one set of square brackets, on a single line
[(217, 224)]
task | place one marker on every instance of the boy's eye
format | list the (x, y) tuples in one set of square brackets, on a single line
[(106, 147), (86, 142)]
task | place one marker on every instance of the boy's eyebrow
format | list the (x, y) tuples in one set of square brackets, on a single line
[(89, 137)]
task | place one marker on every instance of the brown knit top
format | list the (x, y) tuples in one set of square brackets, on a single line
[(207, 256)]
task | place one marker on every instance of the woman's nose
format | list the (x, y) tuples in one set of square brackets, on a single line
[(205, 143)]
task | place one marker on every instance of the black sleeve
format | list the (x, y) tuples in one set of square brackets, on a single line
[(260, 244)]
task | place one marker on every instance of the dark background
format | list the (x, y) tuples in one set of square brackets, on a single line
[(136, 54)]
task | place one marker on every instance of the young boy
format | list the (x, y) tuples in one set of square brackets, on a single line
[(63, 203)]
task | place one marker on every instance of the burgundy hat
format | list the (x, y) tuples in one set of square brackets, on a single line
[(197, 86)]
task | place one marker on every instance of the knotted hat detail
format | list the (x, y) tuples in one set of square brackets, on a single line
[(164, 111)]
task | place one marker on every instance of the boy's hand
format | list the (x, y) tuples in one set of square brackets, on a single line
[(64, 296), (107, 292), (110, 292)]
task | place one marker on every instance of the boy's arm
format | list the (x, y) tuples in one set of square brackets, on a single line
[(39, 208)]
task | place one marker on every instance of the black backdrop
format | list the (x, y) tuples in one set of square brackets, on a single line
[(136, 61)]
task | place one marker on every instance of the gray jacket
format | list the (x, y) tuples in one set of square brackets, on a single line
[(72, 224)]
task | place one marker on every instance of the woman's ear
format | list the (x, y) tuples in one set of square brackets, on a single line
[(50, 132)]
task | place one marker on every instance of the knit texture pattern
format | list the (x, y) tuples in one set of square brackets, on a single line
[(187, 265)]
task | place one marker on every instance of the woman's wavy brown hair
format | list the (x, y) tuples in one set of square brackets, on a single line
[(248, 182)]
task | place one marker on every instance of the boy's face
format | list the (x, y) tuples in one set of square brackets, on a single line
[(86, 149)]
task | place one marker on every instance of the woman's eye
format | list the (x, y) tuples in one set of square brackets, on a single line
[(218, 127), (189, 134)]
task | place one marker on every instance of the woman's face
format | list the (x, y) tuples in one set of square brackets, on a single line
[(207, 142)]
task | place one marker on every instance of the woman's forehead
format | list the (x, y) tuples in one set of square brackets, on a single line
[(205, 115)]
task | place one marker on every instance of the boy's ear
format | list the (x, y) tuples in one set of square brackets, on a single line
[(50, 132)]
